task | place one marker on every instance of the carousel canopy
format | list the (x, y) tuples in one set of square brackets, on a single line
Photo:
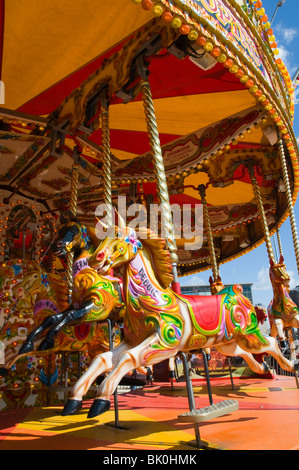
[(222, 101)]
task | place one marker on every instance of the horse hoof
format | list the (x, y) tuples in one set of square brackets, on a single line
[(3, 372), (46, 344), (26, 347), (98, 407), (71, 407), (266, 368)]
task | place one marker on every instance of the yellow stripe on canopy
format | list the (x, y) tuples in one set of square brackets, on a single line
[(44, 41), (181, 115), (236, 193)]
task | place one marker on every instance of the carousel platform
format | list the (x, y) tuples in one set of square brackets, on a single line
[(267, 419)]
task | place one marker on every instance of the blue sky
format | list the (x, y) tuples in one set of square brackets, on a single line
[(254, 266)]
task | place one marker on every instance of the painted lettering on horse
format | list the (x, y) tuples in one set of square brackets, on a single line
[(157, 328)]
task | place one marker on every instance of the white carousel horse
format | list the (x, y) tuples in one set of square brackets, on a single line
[(159, 323)]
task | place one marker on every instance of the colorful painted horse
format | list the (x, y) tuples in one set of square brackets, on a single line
[(49, 294), (159, 323), (94, 297), (283, 313)]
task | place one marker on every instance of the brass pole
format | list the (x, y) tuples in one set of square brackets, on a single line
[(73, 209), (261, 209), (106, 162), (207, 224), (160, 171), (279, 242), (287, 185)]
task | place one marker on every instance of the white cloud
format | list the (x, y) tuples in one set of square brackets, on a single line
[(284, 37), (284, 53), (193, 280), (288, 34), (263, 280), (294, 279), (287, 57)]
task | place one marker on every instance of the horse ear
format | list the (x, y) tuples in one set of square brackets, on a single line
[(281, 259), (211, 280), (218, 279), (271, 262)]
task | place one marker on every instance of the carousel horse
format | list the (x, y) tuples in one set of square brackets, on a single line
[(49, 294), (94, 297), (159, 323), (283, 312)]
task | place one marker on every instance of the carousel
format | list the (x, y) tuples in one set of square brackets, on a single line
[(142, 141)]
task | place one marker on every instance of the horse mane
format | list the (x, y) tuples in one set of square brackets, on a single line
[(160, 256)]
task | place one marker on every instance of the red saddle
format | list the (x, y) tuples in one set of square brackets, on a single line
[(206, 311)]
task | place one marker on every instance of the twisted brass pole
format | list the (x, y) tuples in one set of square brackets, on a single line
[(287, 185), (160, 170), (207, 224), (73, 209), (106, 163), (261, 209), (279, 242)]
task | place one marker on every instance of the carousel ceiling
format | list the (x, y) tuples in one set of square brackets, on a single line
[(211, 125)]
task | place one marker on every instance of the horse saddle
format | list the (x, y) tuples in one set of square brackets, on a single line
[(206, 312)]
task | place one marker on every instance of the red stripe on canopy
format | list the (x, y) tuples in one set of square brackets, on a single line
[(133, 142), (169, 77)]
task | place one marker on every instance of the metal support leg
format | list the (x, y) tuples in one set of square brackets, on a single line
[(116, 415), (207, 375), (230, 373), (191, 400), (203, 414), (290, 335), (190, 393)]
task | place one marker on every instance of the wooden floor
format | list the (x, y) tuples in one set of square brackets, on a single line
[(267, 419)]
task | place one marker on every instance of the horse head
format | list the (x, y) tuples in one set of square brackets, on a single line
[(74, 237), (282, 307), (278, 274), (33, 282), (120, 245)]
